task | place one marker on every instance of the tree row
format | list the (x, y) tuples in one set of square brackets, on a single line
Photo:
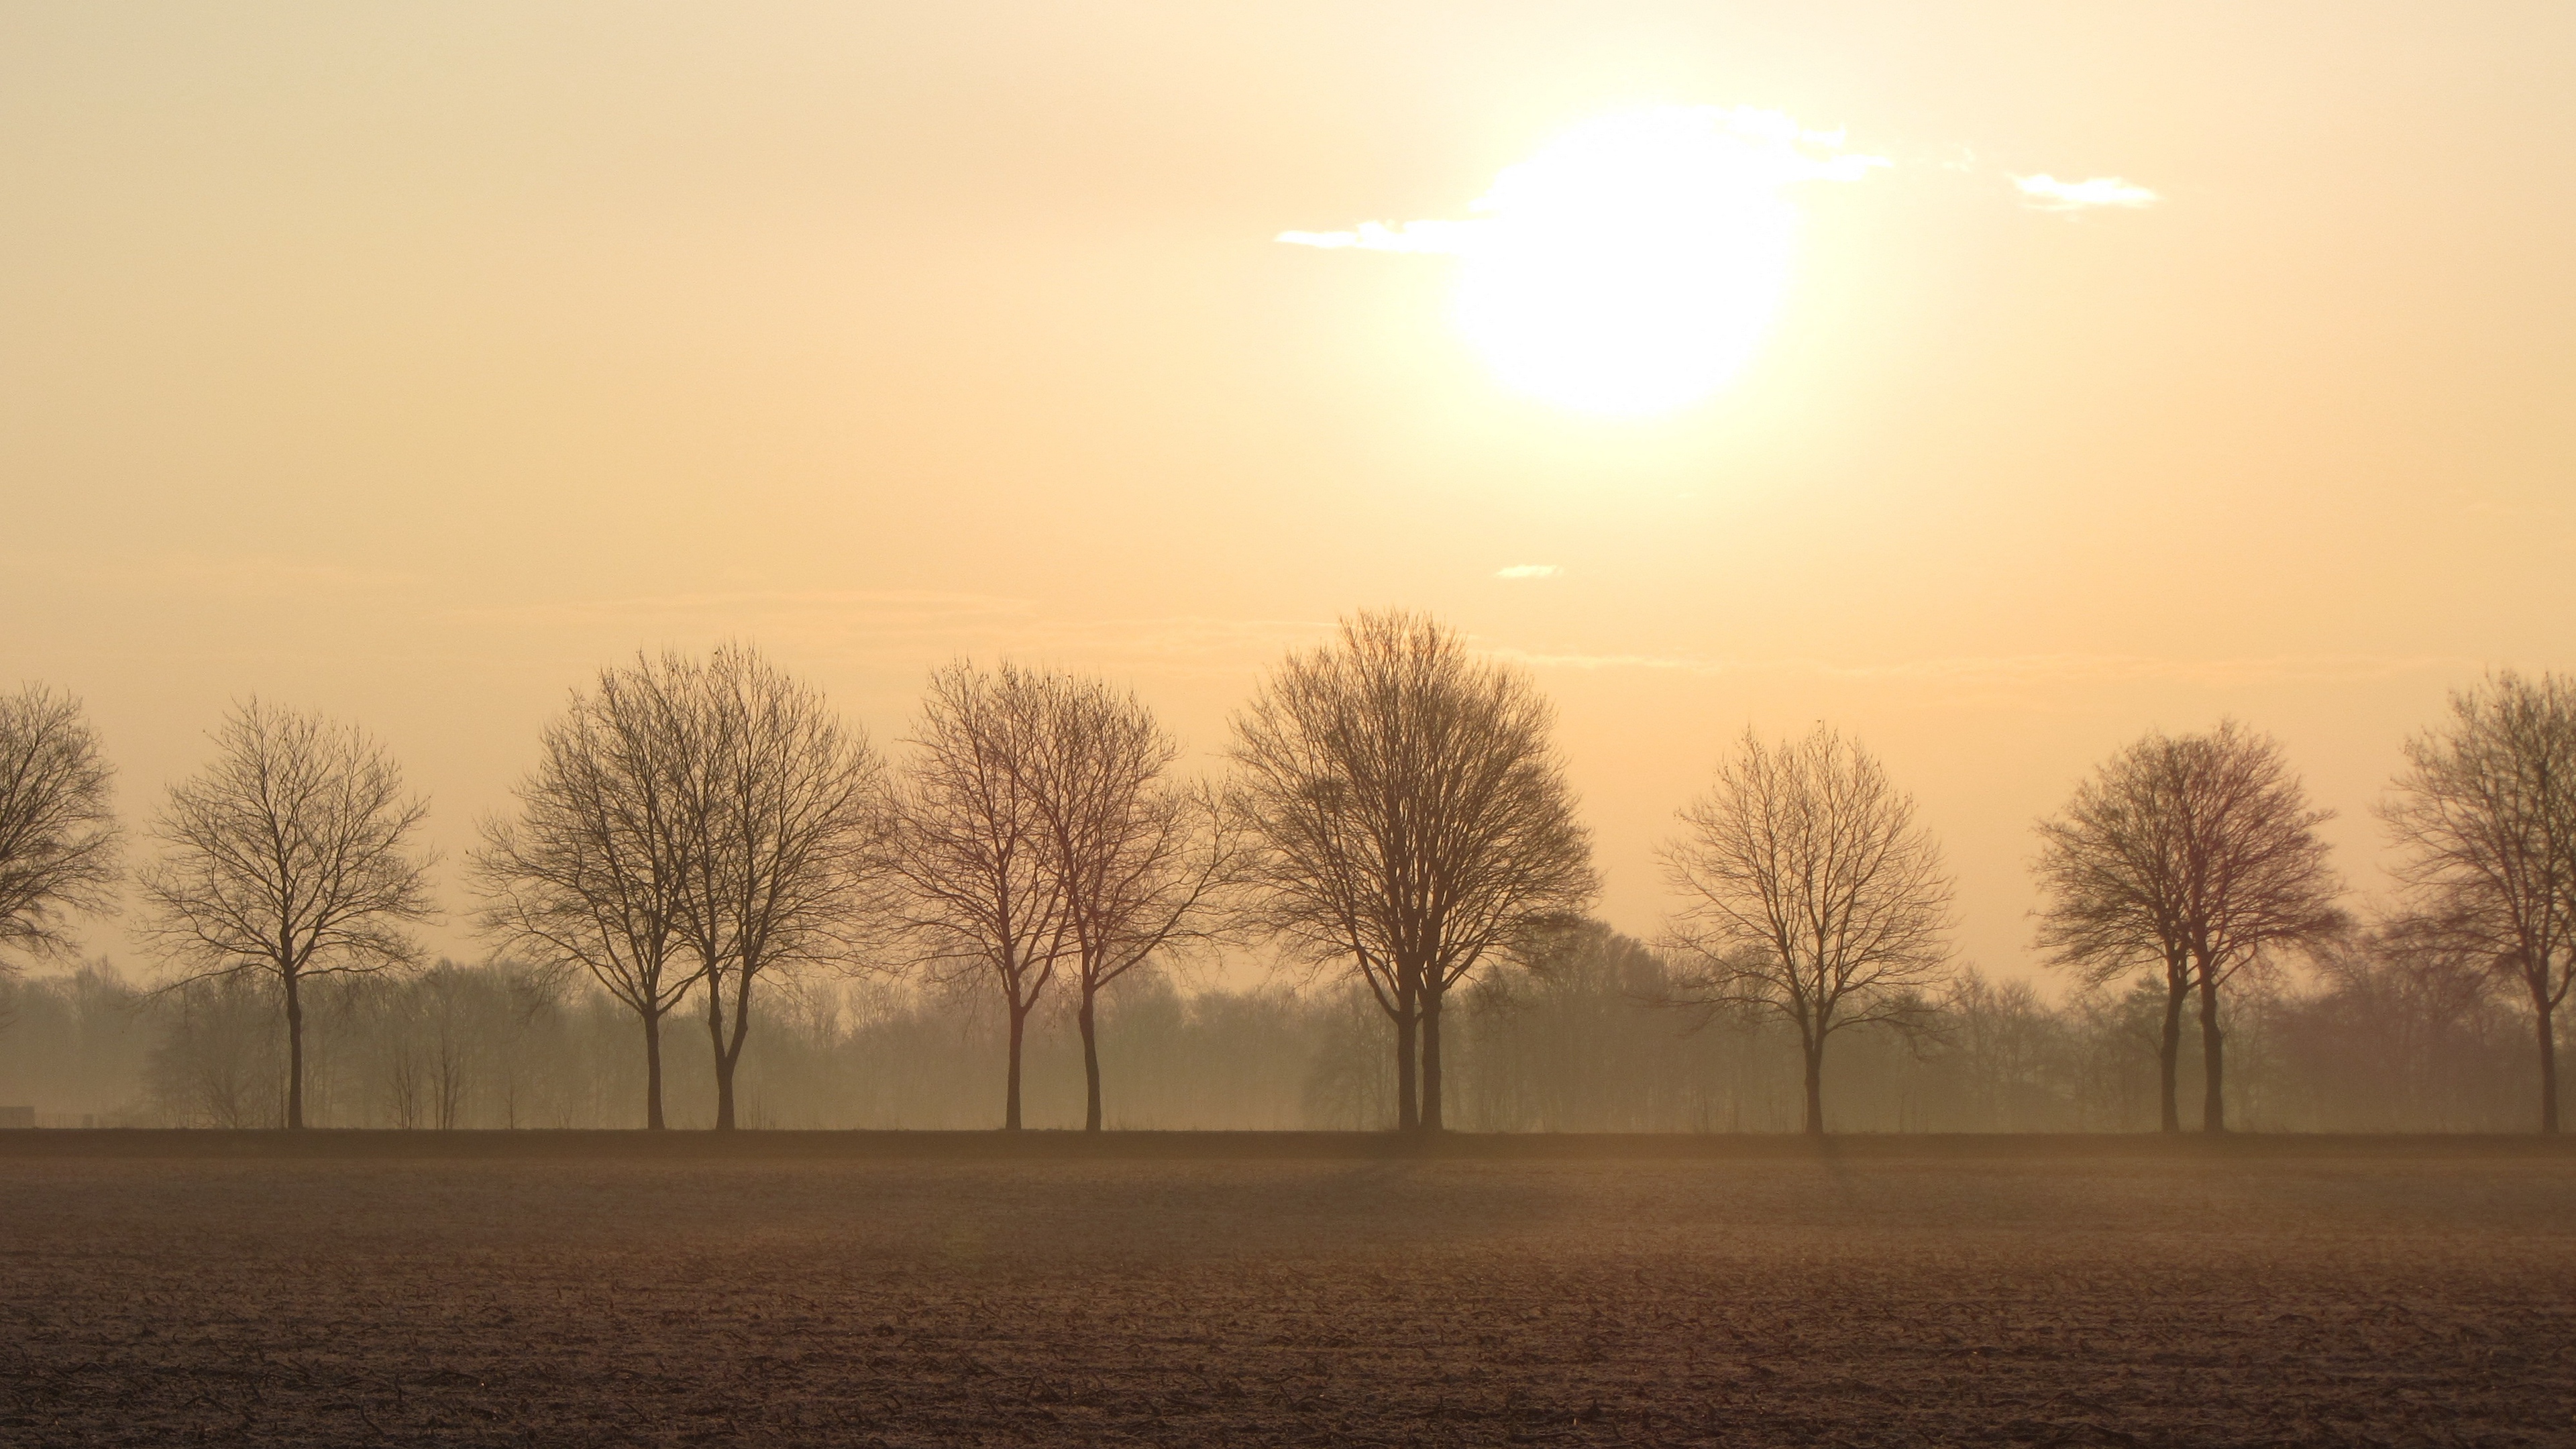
[(1394, 810)]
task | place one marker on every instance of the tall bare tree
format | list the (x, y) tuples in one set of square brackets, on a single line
[(782, 831), (2258, 880), (1810, 891), (1409, 817), (2485, 814), (982, 902), (592, 874), (59, 841), (2197, 854), (1136, 858), (2113, 876), (289, 857)]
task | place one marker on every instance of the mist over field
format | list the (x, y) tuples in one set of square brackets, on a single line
[(1581, 1050)]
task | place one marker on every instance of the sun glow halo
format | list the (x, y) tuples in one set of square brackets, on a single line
[(1633, 265)]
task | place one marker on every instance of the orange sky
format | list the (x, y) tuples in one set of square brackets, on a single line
[(410, 361)]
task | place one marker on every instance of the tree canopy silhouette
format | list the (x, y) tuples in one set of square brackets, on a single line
[(2198, 853), (1408, 818), (2485, 818), (1811, 892), (982, 903), (289, 857), (783, 831), (592, 872), (59, 840), (1137, 857)]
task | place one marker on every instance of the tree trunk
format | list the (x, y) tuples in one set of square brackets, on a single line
[(1011, 1078), (729, 1052), (1815, 1053), (2548, 1067), (294, 1052), (724, 1069), (1408, 1007), (2213, 1101), (1431, 1118), (2169, 1051), (1090, 1064), (653, 1071)]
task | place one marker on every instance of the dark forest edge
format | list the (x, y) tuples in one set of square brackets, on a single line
[(551, 1144)]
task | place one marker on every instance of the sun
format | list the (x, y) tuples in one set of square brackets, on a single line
[(1632, 267)]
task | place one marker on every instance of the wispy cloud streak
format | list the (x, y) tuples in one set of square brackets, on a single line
[(1422, 238), (1754, 143), (909, 629), (2028, 668), (2047, 193)]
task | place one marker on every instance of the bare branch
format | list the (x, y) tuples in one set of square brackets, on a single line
[(1137, 860), (59, 841), (289, 857), (2196, 854), (591, 875), (1811, 892), (980, 901), (1407, 816), (781, 822), (2485, 818)]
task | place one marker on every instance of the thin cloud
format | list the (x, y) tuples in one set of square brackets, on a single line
[(1767, 143), (2047, 193), (911, 629), (1764, 143), (1752, 143), (199, 575), (2030, 668), (906, 610), (1422, 238), (1528, 571), (1181, 644)]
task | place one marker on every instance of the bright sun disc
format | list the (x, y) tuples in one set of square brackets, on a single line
[(1632, 266)]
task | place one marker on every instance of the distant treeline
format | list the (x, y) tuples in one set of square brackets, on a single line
[(1573, 1044), (705, 856)]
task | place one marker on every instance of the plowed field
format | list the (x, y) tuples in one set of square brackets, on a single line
[(1763, 1299)]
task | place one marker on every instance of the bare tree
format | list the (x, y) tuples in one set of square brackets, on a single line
[(2256, 874), (972, 848), (1811, 892), (1136, 859), (2196, 854), (1407, 815), (591, 874), (2485, 814), (58, 835), (288, 858), (782, 831), (2112, 872)]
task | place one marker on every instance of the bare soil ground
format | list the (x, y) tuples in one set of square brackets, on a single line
[(1764, 1295)]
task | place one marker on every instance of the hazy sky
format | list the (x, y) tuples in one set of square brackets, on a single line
[(410, 361)]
